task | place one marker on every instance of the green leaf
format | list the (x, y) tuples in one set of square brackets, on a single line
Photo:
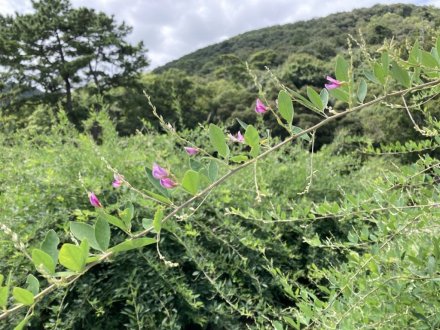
[(252, 138), (190, 181), (339, 94), (370, 76), (4, 293), (400, 74), (218, 140), (1, 279), (33, 285), (43, 261), (239, 158), (23, 296), (362, 91), (71, 256), (297, 130), (102, 234), (127, 215), (242, 123), (277, 325), (133, 244), (285, 106), (195, 164), (428, 60), (341, 69), (50, 245), (315, 98), (156, 183), (385, 59), (147, 223), (324, 97), (84, 231), (157, 221), (213, 170), (414, 54), (114, 221), (23, 323), (379, 73), (157, 196)]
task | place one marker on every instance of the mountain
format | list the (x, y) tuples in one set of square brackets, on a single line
[(321, 37)]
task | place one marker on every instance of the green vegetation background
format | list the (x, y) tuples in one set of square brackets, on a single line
[(241, 262)]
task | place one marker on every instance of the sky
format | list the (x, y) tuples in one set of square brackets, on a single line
[(173, 28)]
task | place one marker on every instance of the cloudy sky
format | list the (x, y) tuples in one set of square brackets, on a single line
[(172, 28)]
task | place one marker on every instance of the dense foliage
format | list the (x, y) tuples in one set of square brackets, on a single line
[(324, 215), (48, 54)]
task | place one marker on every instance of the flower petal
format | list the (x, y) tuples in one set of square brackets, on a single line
[(191, 151), (260, 107), (159, 172), (94, 200), (167, 183)]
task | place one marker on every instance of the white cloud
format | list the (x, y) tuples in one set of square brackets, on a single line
[(173, 28)]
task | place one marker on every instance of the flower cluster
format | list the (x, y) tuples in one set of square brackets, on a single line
[(163, 176), (333, 83)]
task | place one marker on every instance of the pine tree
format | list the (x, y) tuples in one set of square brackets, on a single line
[(57, 49)]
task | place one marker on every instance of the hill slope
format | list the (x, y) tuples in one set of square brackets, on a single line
[(322, 37)]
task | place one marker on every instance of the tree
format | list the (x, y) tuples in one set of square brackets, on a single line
[(57, 49)]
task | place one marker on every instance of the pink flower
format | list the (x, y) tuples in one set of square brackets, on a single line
[(191, 151), (333, 83), (167, 183), (94, 200), (260, 107), (119, 179), (237, 138), (159, 172)]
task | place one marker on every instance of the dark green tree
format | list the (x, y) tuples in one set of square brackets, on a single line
[(57, 49)]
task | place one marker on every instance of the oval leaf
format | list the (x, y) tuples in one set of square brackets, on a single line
[(285, 106), (341, 69), (23, 296), (114, 221), (362, 91), (50, 245), (190, 181), (315, 98), (71, 257), (84, 231), (102, 234), (43, 261), (400, 75), (33, 285), (324, 97), (157, 221), (218, 140), (213, 170)]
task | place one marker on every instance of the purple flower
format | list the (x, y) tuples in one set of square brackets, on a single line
[(159, 172), (119, 179), (237, 137), (167, 183), (94, 200), (333, 83), (191, 151), (260, 107)]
